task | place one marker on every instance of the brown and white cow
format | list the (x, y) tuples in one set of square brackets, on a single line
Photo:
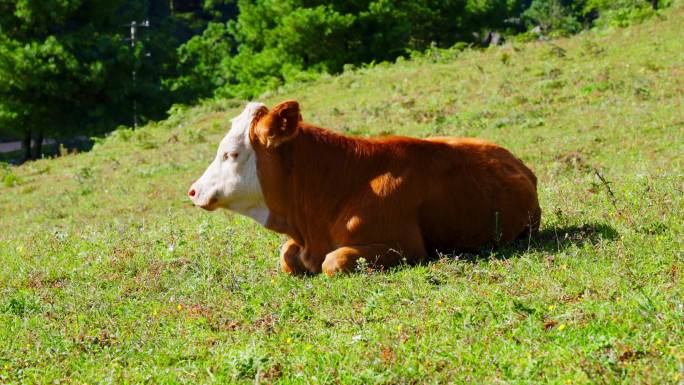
[(340, 198)]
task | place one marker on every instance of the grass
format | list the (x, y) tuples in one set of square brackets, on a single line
[(110, 276)]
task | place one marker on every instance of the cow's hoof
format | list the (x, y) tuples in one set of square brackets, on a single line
[(336, 263), (290, 261)]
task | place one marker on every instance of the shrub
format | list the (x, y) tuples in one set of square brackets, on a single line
[(552, 18), (622, 13), (9, 179)]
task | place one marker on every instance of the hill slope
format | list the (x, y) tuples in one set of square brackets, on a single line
[(109, 275)]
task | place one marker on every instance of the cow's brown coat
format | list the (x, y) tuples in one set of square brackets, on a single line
[(339, 198)]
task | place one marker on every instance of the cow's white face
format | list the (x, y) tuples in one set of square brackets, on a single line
[(231, 180)]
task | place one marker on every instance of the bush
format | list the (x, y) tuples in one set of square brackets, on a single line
[(9, 179), (551, 17), (565, 17), (622, 13)]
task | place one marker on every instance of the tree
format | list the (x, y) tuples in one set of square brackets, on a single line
[(54, 61), (66, 66), (271, 42)]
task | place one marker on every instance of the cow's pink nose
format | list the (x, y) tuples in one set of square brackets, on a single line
[(192, 192)]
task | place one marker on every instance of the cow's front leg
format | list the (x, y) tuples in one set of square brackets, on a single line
[(344, 259), (290, 260)]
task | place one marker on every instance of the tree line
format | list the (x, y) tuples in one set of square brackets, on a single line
[(83, 67)]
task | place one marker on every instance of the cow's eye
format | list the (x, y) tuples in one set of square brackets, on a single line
[(232, 155)]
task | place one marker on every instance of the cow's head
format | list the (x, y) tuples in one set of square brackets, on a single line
[(231, 180)]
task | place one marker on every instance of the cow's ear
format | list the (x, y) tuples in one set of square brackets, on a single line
[(257, 116), (279, 125)]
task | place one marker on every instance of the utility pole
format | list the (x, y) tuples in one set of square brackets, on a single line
[(134, 29)]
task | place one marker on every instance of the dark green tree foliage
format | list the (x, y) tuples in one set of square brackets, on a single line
[(200, 63), (622, 13), (56, 60), (273, 41), (552, 17), (204, 29), (66, 66), (565, 17)]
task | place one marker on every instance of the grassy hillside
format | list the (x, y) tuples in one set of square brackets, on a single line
[(110, 276)]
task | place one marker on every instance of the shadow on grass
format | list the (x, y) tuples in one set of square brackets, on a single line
[(50, 150), (553, 239), (548, 240)]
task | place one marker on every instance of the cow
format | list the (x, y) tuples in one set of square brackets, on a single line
[(388, 200)]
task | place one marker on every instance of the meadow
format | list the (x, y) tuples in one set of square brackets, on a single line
[(109, 275)]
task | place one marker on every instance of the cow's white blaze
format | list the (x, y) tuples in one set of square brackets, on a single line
[(231, 180)]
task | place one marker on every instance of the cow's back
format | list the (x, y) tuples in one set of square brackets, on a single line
[(476, 193)]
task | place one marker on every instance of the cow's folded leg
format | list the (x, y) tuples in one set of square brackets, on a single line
[(345, 258), (290, 261)]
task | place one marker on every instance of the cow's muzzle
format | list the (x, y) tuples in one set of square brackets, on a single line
[(196, 197)]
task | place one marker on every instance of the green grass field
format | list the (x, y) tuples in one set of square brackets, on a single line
[(109, 275)]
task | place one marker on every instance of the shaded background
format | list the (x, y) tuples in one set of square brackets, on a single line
[(73, 69)]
